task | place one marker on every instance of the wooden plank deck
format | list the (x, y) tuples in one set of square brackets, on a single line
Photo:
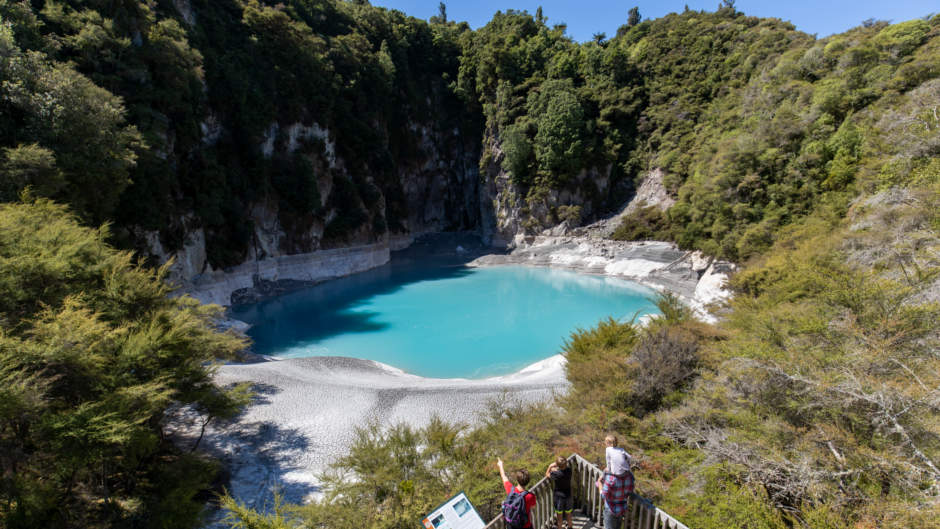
[(581, 521)]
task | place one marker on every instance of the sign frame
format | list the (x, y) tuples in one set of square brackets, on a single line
[(427, 523)]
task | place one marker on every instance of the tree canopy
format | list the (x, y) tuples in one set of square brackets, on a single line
[(93, 353)]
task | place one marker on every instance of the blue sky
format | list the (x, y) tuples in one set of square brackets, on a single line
[(586, 17)]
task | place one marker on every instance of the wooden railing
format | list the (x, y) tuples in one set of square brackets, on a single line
[(641, 513)]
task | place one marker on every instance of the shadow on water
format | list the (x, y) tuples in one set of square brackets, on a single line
[(327, 310)]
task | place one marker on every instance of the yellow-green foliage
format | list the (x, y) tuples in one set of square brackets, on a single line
[(811, 404), (776, 122), (723, 503), (240, 516), (597, 360), (901, 39), (62, 134), (823, 393), (93, 352)]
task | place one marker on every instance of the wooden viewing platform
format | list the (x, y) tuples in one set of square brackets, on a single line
[(589, 505)]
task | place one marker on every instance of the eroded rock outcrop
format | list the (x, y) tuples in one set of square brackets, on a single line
[(517, 214), (651, 192)]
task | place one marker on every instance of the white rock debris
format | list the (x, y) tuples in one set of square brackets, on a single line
[(695, 278)]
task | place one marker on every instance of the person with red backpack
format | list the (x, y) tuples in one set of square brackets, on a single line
[(517, 509)]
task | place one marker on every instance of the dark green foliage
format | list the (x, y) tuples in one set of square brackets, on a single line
[(559, 125), (350, 213), (633, 17), (555, 108), (29, 166), (295, 183), (64, 135), (205, 96), (518, 156), (93, 353)]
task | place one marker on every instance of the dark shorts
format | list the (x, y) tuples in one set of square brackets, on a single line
[(564, 504)]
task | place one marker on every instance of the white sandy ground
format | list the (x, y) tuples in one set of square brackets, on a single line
[(307, 411)]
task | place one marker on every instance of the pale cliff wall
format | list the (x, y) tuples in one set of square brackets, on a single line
[(219, 286)]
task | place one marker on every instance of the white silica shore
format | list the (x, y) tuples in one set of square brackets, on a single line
[(307, 411), (696, 279)]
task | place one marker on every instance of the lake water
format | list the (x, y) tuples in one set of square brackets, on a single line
[(438, 318)]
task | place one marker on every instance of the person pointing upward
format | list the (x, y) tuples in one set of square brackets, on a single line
[(517, 509)]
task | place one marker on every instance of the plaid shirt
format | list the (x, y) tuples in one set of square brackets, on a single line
[(615, 490)]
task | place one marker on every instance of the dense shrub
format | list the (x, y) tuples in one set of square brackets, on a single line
[(93, 353), (645, 223), (664, 361)]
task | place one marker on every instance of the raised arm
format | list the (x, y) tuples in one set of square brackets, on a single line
[(502, 473), (552, 467)]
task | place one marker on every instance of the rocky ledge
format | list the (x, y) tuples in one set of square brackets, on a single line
[(696, 279), (255, 280)]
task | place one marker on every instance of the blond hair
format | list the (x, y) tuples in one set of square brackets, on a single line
[(611, 440)]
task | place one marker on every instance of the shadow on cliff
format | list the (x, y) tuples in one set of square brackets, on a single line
[(333, 308)]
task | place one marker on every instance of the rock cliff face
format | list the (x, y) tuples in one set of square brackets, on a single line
[(441, 189), (517, 215), (437, 189)]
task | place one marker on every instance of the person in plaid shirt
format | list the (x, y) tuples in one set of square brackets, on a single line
[(615, 490)]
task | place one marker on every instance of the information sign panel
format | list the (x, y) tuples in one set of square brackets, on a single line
[(455, 513)]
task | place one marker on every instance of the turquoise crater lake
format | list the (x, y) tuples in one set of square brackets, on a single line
[(435, 318)]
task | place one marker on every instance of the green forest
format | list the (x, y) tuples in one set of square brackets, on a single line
[(814, 163)]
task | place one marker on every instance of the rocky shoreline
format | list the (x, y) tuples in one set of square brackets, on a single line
[(695, 278)]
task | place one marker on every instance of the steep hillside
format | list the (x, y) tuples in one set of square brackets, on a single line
[(256, 129), (749, 123), (248, 130)]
